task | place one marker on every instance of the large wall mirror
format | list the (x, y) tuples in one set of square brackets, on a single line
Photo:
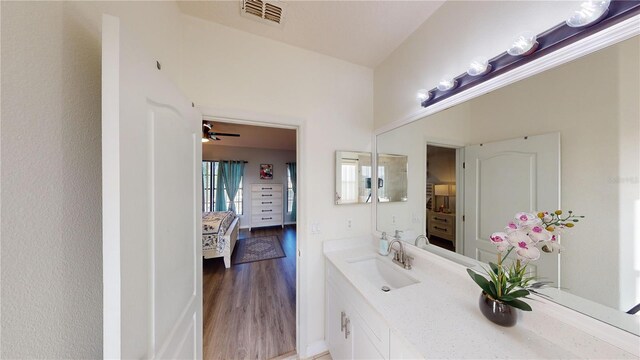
[(568, 138)]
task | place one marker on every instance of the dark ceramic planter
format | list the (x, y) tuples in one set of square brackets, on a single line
[(497, 311)]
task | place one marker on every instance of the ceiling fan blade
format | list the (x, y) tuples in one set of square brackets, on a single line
[(223, 134)]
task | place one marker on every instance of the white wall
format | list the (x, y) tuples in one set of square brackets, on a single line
[(51, 175), (256, 78), (445, 44), (254, 157)]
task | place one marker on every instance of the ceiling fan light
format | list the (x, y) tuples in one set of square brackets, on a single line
[(525, 44), (590, 13)]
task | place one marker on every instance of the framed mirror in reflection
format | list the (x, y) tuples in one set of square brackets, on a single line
[(392, 178), (566, 138), (353, 177)]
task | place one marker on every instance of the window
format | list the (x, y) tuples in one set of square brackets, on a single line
[(349, 181), (289, 192), (209, 181)]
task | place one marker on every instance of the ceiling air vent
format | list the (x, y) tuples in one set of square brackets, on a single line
[(268, 11)]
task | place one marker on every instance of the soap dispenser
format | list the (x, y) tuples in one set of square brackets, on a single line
[(384, 244)]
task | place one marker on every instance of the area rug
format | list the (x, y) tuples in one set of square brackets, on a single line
[(257, 249)]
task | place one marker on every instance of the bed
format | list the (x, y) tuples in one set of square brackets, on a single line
[(219, 235)]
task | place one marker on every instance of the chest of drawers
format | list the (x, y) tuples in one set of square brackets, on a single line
[(442, 225), (266, 205)]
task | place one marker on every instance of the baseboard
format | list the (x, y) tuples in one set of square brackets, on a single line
[(316, 348)]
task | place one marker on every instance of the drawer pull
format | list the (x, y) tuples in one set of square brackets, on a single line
[(267, 202), (267, 218), (441, 229), (266, 188), (269, 210), (343, 316), (263, 195), (346, 328), (439, 219)]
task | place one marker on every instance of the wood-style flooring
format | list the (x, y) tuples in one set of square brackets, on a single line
[(249, 310)]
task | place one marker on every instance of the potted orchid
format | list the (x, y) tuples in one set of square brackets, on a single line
[(526, 236)]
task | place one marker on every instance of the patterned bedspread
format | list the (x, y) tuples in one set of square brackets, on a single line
[(214, 226)]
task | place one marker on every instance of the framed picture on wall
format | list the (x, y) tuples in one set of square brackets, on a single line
[(266, 171)]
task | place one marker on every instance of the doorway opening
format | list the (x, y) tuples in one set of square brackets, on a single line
[(442, 185), (249, 184)]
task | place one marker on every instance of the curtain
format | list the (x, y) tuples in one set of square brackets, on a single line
[(292, 174), (220, 201), (231, 174)]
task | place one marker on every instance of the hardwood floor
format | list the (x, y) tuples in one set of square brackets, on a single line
[(250, 309)]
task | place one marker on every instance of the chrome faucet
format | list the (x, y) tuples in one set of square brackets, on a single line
[(426, 240), (399, 257)]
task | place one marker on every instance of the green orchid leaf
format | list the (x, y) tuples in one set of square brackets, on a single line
[(494, 267), (514, 295), (519, 304), (494, 290), (481, 281)]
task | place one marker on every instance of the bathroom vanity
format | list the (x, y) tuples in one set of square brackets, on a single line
[(431, 312)]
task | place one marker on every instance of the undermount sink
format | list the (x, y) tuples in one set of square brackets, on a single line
[(381, 274)]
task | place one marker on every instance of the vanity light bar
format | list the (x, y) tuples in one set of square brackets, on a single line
[(553, 39)]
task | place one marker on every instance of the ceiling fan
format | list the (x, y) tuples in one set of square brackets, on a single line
[(208, 134)]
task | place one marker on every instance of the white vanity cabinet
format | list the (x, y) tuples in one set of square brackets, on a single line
[(353, 330)]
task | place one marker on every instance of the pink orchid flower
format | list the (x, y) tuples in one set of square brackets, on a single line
[(527, 251), (523, 219), (538, 233), (500, 240)]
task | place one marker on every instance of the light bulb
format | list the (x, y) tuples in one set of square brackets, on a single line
[(447, 83), (590, 13), (424, 95), (523, 45), (479, 66), (204, 140)]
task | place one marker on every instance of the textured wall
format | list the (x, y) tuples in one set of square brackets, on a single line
[(51, 279)]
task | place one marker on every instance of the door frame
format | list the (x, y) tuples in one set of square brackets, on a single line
[(459, 147), (259, 119)]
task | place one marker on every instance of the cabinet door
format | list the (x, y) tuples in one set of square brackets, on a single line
[(340, 346), (363, 347)]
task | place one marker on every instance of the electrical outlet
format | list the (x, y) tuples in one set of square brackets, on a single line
[(393, 219), (349, 223)]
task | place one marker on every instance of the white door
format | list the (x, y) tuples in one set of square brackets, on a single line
[(151, 156), (506, 177)]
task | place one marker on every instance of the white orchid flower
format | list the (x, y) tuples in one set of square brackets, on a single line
[(552, 245), (537, 233), (512, 226), (500, 240), (527, 219), (517, 236), (527, 252)]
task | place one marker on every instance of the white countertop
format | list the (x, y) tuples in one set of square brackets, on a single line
[(440, 316)]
